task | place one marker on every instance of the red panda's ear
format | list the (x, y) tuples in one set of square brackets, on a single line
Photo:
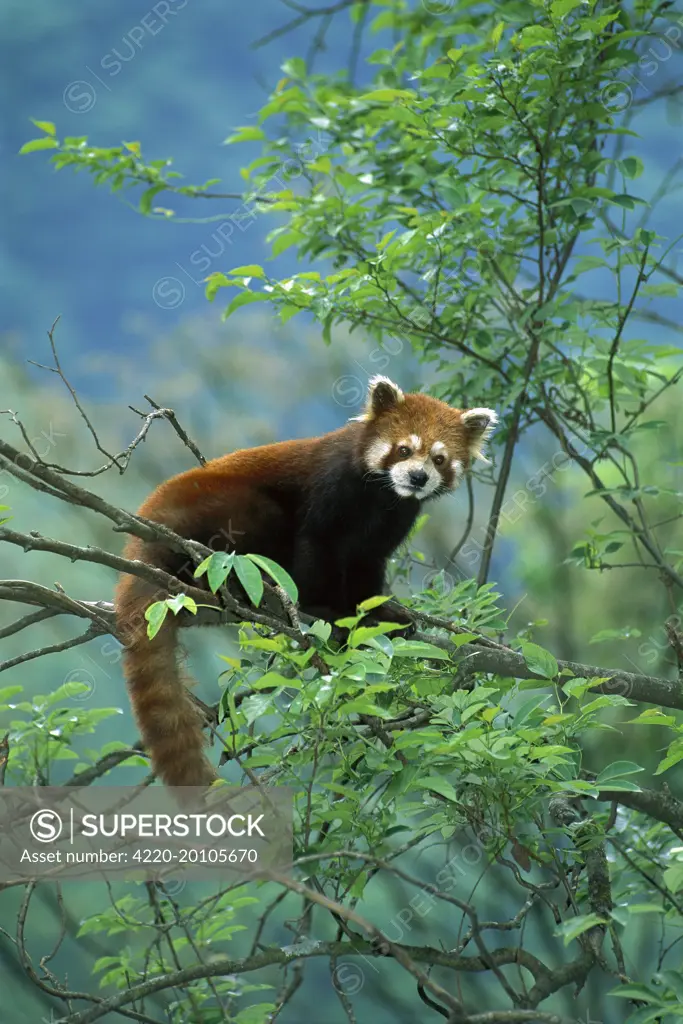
[(479, 425), (383, 395)]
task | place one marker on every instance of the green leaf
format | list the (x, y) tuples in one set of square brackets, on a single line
[(606, 700), (249, 270), (616, 770), (631, 166), (666, 289), (575, 926), (460, 639), (540, 661), (372, 602), (176, 604), (271, 680), (673, 981), (635, 991), (580, 206), (46, 142), (560, 8), (576, 687), (319, 628), (219, 568), (534, 35), (625, 633), (387, 95), (364, 706), (626, 202), (673, 756), (366, 634), (285, 240), (323, 165), (155, 615), (437, 784), (257, 1013), (245, 298), (256, 705), (147, 197), (202, 567), (287, 312), (45, 126), (622, 786), (673, 877), (249, 133), (214, 282), (280, 575), (418, 649), (295, 67), (653, 716), (9, 691), (250, 578), (526, 709), (496, 34)]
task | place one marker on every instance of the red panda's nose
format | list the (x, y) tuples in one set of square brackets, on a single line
[(418, 477)]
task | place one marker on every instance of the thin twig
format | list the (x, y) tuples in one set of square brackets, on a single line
[(468, 523), (182, 434), (40, 652), (614, 347), (60, 373), (4, 757), (506, 464), (27, 620)]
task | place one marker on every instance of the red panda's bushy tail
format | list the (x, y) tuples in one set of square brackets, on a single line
[(170, 724)]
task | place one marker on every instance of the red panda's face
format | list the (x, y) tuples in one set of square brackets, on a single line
[(420, 444)]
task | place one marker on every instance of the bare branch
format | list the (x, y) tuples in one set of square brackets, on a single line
[(35, 542), (104, 765), (60, 373), (305, 14), (39, 652), (4, 757), (662, 806), (26, 620), (182, 434), (122, 459), (42, 478), (614, 347), (27, 592)]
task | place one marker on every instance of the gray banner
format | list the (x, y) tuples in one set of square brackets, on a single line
[(143, 833)]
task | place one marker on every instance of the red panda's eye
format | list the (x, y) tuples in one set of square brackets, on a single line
[(403, 451), (439, 460)]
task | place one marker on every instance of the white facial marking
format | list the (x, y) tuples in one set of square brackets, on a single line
[(400, 475), (438, 447), (415, 441), (458, 468), (376, 453)]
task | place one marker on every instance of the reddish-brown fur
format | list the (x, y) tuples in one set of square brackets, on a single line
[(300, 503), (193, 504)]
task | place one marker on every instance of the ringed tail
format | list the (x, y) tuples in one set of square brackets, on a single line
[(170, 725)]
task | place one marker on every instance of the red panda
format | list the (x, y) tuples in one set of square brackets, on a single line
[(330, 510)]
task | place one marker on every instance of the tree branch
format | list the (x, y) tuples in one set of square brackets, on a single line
[(661, 806)]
